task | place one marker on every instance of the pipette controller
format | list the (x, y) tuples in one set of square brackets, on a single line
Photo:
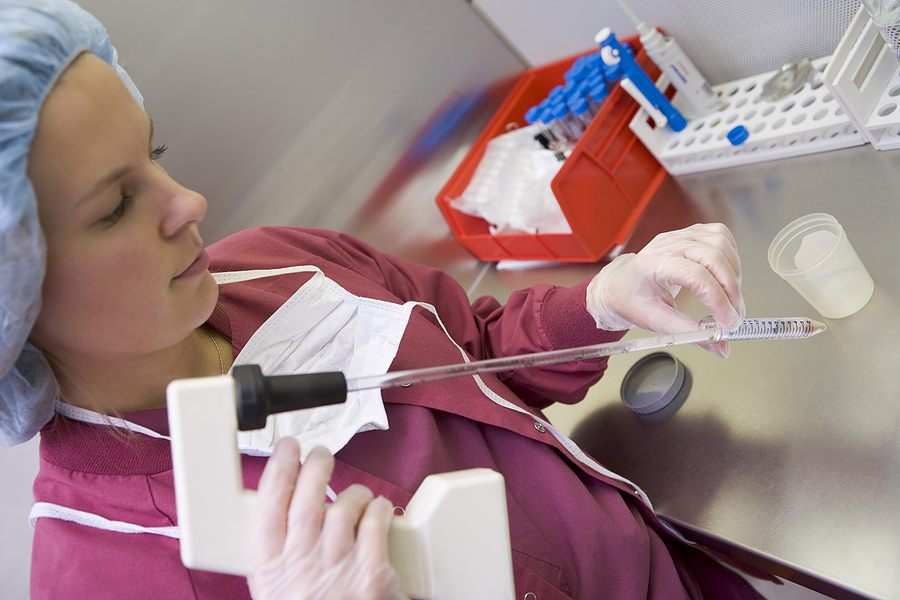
[(678, 68), (637, 83), (260, 396)]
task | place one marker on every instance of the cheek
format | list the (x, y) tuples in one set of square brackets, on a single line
[(101, 299)]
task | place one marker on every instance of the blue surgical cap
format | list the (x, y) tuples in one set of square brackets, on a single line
[(38, 40)]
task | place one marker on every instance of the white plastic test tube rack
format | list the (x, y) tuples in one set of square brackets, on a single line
[(807, 121), (864, 75), (884, 124)]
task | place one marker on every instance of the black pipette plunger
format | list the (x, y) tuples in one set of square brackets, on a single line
[(259, 396)]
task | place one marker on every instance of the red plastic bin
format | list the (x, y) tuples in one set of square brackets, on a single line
[(603, 187)]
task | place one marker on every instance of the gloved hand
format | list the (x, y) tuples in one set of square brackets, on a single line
[(301, 551), (640, 289)]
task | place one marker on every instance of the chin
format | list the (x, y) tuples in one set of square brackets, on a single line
[(208, 294)]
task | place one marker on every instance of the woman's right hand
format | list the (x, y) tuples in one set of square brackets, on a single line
[(303, 551), (640, 289)]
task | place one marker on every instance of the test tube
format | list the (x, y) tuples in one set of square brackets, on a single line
[(593, 76), (597, 94), (596, 77), (570, 107), (562, 115), (560, 135), (580, 89), (581, 110), (532, 116), (545, 138), (612, 72)]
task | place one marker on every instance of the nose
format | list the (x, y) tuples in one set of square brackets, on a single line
[(182, 209)]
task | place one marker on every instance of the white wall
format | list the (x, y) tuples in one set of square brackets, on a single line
[(726, 39)]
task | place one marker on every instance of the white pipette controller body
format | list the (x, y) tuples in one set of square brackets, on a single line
[(677, 67)]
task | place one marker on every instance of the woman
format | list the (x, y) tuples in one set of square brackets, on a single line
[(121, 301)]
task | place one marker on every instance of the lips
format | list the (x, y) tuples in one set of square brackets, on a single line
[(200, 265)]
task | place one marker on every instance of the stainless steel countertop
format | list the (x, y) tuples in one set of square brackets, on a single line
[(789, 450), (786, 454)]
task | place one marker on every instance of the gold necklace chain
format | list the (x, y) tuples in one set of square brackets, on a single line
[(216, 344)]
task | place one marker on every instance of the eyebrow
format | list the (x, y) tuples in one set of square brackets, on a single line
[(113, 176)]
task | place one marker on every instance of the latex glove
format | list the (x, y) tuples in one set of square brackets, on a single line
[(303, 551), (640, 289)]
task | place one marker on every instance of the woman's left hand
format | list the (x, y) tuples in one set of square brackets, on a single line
[(303, 551)]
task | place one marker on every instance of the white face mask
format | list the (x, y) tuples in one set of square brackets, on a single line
[(322, 327)]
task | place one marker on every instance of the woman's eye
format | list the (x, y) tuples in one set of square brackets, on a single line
[(118, 212), (157, 152)]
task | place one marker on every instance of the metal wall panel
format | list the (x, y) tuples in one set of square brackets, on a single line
[(293, 112)]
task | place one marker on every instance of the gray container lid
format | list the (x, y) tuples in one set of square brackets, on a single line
[(655, 382)]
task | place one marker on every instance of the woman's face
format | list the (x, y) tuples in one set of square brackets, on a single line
[(126, 271)]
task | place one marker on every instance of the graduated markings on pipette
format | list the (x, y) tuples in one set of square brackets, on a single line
[(776, 329), (772, 328)]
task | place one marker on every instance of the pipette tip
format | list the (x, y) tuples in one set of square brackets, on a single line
[(817, 327)]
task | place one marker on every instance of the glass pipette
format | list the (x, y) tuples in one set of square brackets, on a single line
[(710, 331)]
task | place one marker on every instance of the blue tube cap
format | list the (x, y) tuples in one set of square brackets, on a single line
[(596, 80), (546, 115), (559, 110), (612, 72), (738, 135), (577, 70), (599, 92), (556, 93), (578, 105)]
